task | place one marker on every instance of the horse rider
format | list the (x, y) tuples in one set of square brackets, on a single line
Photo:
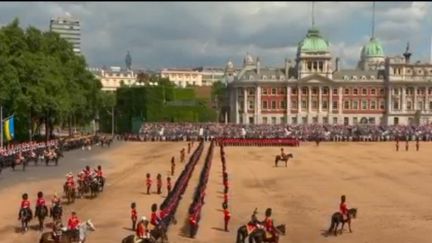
[(134, 215), (99, 175), (19, 158), (282, 153), (25, 205), (55, 201), (254, 220), (172, 165), (87, 172), (268, 223), (73, 225), (40, 202), (154, 218), (70, 180), (343, 208), (142, 231), (148, 182)]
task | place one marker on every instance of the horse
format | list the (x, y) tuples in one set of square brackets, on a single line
[(25, 217), (337, 218), (67, 236), (41, 213), (70, 193), (260, 235), (94, 187), (56, 212), (257, 235), (284, 158), (101, 181), (19, 161)]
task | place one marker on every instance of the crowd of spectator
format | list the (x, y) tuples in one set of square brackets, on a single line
[(310, 132)]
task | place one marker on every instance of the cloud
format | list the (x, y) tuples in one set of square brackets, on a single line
[(161, 34)]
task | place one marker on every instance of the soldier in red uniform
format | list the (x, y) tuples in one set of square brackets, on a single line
[(406, 145), (148, 183), (227, 215), (73, 225), (172, 165), (154, 218), (142, 231), (40, 203), (343, 208), (169, 184), (417, 144), (397, 144), (268, 223), (159, 183), (134, 215), (70, 180), (25, 205)]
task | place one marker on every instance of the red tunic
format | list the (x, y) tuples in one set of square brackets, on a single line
[(141, 230), (40, 202), (268, 224), (343, 209), (154, 219), (148, 182), (73, 223), (134, 215), (227, 215), (99, 173), (25, 204)]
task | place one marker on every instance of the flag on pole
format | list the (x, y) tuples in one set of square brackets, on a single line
[(9, 128)]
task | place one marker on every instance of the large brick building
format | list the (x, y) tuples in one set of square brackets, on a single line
[(313, 89)]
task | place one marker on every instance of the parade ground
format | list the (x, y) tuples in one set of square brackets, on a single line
[(390, 189)]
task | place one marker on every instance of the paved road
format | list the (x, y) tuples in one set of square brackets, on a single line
[(73, 161)]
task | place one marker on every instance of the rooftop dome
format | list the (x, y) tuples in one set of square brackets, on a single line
[(230, 64), (372, 49), (313, 42)]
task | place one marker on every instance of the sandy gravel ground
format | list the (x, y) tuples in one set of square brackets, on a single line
[(390, 189)]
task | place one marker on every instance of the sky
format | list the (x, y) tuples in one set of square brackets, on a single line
[(191, 34)]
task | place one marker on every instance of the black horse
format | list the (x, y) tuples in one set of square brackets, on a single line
[(41, 213), (56, 212), (94, 187), (284, 158), (337, 218), (25, 216)]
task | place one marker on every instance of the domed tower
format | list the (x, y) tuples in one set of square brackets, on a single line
[(313, 55), (229, 71), (248, 60), (372, 54)]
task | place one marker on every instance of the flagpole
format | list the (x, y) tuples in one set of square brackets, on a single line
[(1, 126)]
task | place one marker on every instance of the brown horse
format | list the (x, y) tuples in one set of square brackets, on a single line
[(70, 193), (257, 235), (284, 158), (337, 218)]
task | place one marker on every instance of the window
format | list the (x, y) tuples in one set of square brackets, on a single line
[(346, 121), (325, 90), (364, 105), (364, 91), (314, 91), (282, 90), (335, 105), (314, 104), (294, 90), (381, 91), (314, 120), (325, 120), (294, 104), (346, 91), (251, 105), (241, 105), (264, 90), (251, 120), (355, 105), (355, 91), (273, 120), (373, 105), (335, 91), (355, 120), (273, 91), (395, 105), (396, 121), (409, 105), (304, 120), (273, 104), (283, 104), (282, 120), (303, 104), (372, 120), (346, 104), (420, 105), (335, 120), (264, 104), (309, 66), (396, 91), (382, 105), (325, 104), (265, 121), (294, 120), (304, 91), (373, 91), (251, 92)]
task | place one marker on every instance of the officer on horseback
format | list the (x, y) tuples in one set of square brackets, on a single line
[(40, 203), (25, 205), (343, 208)]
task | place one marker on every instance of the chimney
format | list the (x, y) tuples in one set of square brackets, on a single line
[(258, 65), (337, 64)]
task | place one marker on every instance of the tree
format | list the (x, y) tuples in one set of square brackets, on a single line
[(219, 97)]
